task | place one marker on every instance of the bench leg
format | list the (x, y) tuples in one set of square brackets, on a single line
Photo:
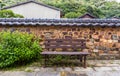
[(81, 57), (45, 60), (84, 64)]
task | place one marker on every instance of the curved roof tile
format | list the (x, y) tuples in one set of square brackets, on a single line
[(62, 22)]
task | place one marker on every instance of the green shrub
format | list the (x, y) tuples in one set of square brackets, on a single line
[(9, 14), (18, 48), (72, 15)]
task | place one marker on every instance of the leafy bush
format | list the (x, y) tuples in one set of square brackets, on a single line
[(9, 14), (72, 15), (18, 48)]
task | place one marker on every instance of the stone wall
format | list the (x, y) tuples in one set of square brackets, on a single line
[(99, 39)]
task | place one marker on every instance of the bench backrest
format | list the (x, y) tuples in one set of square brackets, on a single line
[(65, 44)]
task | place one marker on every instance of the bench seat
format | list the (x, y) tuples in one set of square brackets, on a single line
[(64, 53)]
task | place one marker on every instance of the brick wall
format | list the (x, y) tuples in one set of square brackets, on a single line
[(100, 39)]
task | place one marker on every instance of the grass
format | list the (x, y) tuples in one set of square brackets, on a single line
[(103, 62), (22, 67), (64, 63), (15, 68)]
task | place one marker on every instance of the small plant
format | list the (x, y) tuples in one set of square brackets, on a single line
[(111, 62), (59, 58), (18, 48), (28, 70), (91, 65), (102, 62)]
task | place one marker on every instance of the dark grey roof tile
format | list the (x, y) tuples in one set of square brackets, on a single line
[(111, 24), (118, 24), (70, 22)]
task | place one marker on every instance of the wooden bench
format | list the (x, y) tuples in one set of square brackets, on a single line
[(69, 47)]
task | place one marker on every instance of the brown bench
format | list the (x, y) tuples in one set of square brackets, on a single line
[(69, 47)]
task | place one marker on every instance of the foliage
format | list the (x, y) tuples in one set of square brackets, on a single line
[(59, 58), (1, 4), (18, 48), (9, 14), (108, 8), (98, 8), (72, 15)]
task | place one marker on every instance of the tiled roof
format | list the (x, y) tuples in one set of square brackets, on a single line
[(18, 4), (87, 14), (62, 22)]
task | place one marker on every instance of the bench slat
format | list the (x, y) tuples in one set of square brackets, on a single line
[(63, 43), (65, 53), (82, 40), (65, 47)]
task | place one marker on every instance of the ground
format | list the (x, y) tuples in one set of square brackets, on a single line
[(100, 68)]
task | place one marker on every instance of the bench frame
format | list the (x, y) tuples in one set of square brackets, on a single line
[(65, 44)]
